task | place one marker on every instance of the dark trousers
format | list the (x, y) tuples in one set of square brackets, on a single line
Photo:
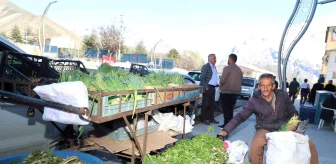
[(228, 102), (292, 95), (208, 104)]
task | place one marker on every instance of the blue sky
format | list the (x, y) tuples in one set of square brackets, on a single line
[(204, 26)]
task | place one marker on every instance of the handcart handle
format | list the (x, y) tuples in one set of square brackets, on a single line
[(67, 108)]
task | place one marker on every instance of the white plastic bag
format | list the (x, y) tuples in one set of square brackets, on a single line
[(287, 147), (170, 121), (68, 93), (236, 150)]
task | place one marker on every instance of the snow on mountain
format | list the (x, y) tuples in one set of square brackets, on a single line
[(302, 63)]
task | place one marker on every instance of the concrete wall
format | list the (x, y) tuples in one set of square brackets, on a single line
[(331, 67)]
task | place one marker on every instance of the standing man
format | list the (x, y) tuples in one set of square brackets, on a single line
[(330, 87), (209, 82), (305, 89), (293, 89), (276, 83), (230, 86)]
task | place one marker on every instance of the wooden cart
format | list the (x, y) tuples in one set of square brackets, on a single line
[(137, 146)]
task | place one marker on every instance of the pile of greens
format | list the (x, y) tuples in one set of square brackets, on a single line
[(108, 78), (201, 149), (46, 157)]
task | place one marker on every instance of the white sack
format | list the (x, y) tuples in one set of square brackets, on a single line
[(287, 147), (68, 93)]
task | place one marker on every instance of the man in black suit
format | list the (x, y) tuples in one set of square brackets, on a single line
[(209, 81)]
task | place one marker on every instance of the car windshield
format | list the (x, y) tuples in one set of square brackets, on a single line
[(195, 75), (248, 82)]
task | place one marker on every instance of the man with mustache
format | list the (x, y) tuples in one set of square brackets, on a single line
[(272, 108)]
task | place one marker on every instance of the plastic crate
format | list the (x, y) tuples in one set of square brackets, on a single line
[(67, 65), (27, 65), (111, 109), (119, 132)]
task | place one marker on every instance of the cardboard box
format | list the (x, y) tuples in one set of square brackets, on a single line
[(161, 97)]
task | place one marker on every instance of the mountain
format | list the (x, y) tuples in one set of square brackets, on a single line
[(259, 52), (11, 15)]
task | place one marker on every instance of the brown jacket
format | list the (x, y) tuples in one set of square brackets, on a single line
[(266, 117), (231, 79)]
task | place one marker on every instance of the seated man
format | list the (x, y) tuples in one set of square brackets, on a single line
[(329, 102), (272, 108)]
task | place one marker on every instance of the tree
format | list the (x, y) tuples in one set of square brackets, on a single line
[(112, 35), (173, 54), (16, 34), (140, 48), (3, 34), (127, 49), (190, 60), (109, 36), (31, 36), (90, 41)]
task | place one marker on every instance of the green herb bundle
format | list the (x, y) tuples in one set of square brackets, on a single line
[(46, 157), (292, 122), (202, 149)]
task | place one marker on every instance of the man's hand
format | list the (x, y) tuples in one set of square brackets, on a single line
[(293, 127), (222, 133)]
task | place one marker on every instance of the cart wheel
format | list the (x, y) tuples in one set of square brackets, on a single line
[(30, 112)]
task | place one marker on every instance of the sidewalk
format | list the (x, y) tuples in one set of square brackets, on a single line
[(324, 138)]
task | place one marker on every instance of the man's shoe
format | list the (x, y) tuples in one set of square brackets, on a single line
[(221, 126), (206, 122), (214, 121)]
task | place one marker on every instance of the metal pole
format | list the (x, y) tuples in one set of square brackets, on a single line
[(281, 44), (153, 53), (298, 39), (43, 19), (326, 1)]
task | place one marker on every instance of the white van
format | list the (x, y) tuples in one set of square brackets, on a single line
[(248, 86)]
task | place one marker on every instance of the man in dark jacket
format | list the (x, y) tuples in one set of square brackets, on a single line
[(272, 108), (294, 87), (209, 81), (330, 87)]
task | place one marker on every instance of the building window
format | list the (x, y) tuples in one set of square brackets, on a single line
[(334, 75)]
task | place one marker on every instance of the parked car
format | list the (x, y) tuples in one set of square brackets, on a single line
[(248, 86), (196, 75)]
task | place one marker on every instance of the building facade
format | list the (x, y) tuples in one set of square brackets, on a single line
[(329, 59)]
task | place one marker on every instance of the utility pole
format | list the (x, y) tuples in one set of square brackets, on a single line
[(43, 30)]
